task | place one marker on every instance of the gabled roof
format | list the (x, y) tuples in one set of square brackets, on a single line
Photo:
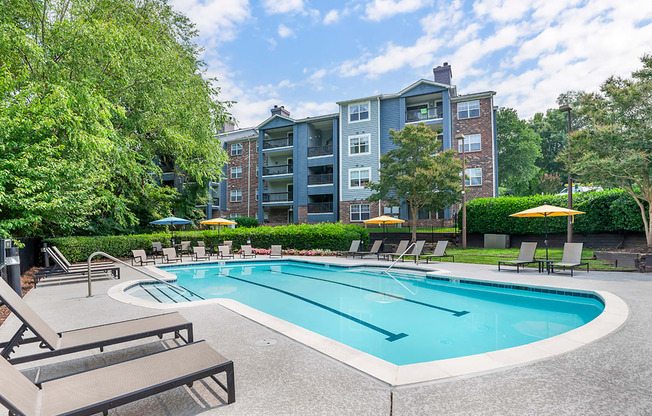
[(240, 134), (483, 94), (272, 118), (398, 94)]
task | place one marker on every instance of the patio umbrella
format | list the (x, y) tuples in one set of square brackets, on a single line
[(384, 220), (219, 222), (171, 221), (546, 211)]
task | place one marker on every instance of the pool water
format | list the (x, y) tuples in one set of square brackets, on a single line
[(370, 311)]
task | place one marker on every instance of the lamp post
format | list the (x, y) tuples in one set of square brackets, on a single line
[(461, 137), (567, 108)]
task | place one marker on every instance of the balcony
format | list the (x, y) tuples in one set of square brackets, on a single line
[(277, 197), (423, 114), (274, 143), (277, 170), (320, 179), (320, 151), (320, 207)]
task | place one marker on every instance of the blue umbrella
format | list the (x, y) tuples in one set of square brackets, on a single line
[(171, 221)]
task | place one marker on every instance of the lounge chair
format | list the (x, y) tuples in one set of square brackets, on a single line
[(440, 252), (402, 246), (525, 256), (200, 253), (140, 257), (374, 250), (185, 248), (416, 251), (60, 343), (228, 243), (571, 258), (355, 245), (170, 255), (63, 270), (247, 252), (107, 387), (225, 252), (157, 248), (71, 268), (276, 251)]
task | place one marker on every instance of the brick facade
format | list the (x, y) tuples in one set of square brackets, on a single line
[(248, 183)]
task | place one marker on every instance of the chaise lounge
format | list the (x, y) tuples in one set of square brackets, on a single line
[(571, 258), (439, 253), (525, 256)]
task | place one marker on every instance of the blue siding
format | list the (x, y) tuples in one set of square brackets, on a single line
[(261, 213), (423, 89), (389, 120), (448, 121), (312, 218), (300, 166), (336, 170), (495, 131), (276, 122)]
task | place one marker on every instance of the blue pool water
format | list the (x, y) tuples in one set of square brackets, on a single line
[(373, 313)]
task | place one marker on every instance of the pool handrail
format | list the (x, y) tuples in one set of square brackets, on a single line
[(143, 271), (395, 261)]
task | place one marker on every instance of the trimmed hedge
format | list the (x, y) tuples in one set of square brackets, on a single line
[(334, 237), (246, 222), (606, 211)]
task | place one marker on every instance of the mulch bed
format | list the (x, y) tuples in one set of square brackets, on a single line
[(27, 283)]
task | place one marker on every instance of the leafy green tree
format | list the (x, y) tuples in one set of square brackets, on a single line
[(615, 148), (125, 85), (518, 150), (418, 173)]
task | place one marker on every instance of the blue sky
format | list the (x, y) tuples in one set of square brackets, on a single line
[(306, 55)]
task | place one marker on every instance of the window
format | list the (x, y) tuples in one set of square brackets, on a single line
[(256, 170), (391, 210), (256, 194), (359, 145), (468, 109), (236, 195), (473, 177), (235, 215), (422, 214), (236, 149), (236, 172), (359, 212), (471, 143), (358, 178), (358, 112)]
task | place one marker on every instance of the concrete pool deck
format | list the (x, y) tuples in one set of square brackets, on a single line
[(277, 375)]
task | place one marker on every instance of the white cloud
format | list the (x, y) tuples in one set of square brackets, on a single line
[(332, 17), (313, 108), (283, 6), (215, 19), (378, 10), (284, 31)]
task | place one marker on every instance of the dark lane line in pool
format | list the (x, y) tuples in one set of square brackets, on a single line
[(391, 337), (454, 312)]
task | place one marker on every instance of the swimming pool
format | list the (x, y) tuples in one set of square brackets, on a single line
[(414, 319)]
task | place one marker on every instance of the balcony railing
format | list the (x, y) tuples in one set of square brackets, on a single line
[(423, 114), (320, 207), (277, 197), (277, 170), (273, 143), (320, 179), (320, 150)]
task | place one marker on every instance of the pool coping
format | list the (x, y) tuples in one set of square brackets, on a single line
[(614, 315)]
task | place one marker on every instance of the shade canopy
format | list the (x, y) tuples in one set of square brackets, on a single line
[(383, 219), (218, 221), (171, 221), (547, 211)]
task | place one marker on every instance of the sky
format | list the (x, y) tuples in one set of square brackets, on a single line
[(307, 55)]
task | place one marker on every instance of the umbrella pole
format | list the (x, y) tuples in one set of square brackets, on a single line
[(545, 219)]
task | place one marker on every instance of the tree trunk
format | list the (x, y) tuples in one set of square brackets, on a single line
[(647, 218), (414, 212)]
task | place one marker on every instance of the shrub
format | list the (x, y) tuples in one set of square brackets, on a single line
[(334, 237), (606, 211), (246, 222)]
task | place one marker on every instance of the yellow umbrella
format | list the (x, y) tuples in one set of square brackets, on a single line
[(219, 222), (546, 211), (384, 220)]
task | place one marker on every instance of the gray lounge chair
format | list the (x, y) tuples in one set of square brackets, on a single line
[(276, 251), (571, 258), (157, 248), (62, 269), (416, 251), (184, 249), (60, 343), (375, 248), (140, 258), (402, 246), (200, 253), (355, 245), (170, 255), (440, 252), (107, 387), (247, 252), (225, 252), (525, 256)]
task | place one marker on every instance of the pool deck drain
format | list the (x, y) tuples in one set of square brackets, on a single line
[(610, 376)]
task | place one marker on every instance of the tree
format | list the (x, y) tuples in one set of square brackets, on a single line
[(519, 147), (123, 84), (418, 173), (615, 148)]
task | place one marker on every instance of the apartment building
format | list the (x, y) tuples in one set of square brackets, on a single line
[(314, 169)]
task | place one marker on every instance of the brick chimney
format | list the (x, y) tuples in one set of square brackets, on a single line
[(443, 74), (281, 111), (227, 126)]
